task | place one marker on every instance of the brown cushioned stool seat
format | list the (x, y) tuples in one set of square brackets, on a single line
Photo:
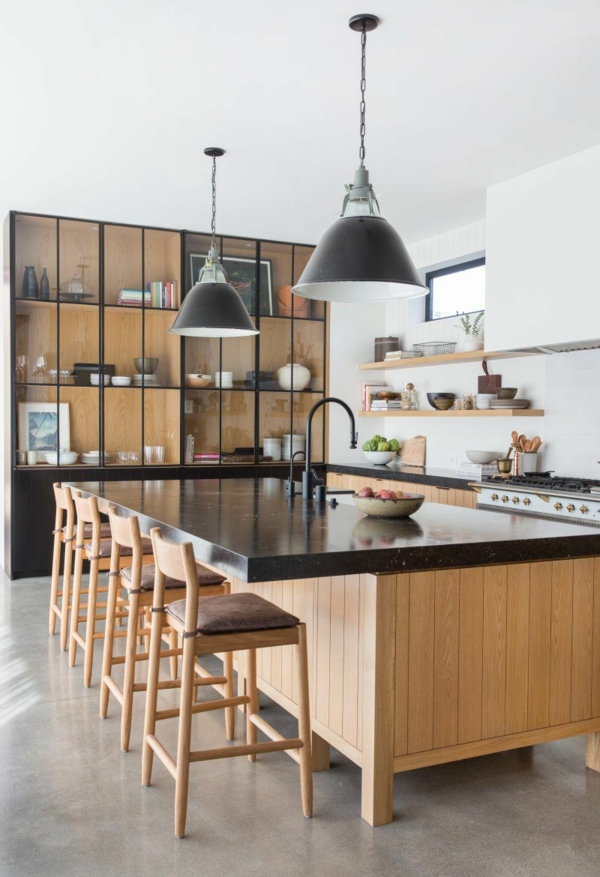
[(104, 531), (205, 577), (235, 613), (106, 548)]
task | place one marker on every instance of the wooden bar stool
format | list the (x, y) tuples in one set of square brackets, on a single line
[(138, 581), (97, 549), (64, 536), (219, 624)]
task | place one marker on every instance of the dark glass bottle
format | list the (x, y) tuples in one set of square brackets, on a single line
[(30, 287), (44, 285)]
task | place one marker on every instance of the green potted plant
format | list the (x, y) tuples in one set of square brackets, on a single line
[(473, 330)]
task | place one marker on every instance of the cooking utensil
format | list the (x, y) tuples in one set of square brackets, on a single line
[(488, 383), (504, 466), (535, 443), (514, 436), (528, 446)]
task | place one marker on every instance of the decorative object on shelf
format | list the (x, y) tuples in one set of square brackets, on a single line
[(95, 380), (76, 289), (481, 458), (224, 380), (121, 380), (293, 376), (196, 381), (21, 458), (30, 288), (434, 348), (32, 458), (288, 303), (361, 257), (386, 345), (21, 366), (507, 392), (435, 398), (146, 365), (44, 285), (487, 383), (39, 426), (472, 331), (272, 447), (482, 400), (413, 451), (508, 403), (290, 444), (411, 393), (62, 457), (213, 308)]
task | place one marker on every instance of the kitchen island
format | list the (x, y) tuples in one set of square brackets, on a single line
[(448, 635)]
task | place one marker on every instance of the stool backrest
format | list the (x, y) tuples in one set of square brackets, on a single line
[(87, 513), (125, 532), (64, 505), (178, 562)]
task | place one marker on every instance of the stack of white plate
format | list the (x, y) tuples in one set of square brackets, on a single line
[(92, 458), (149, 381), (509, 403)]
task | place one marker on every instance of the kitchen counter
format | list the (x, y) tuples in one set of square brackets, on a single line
[(250, 529), (453, 634), (395, 472)]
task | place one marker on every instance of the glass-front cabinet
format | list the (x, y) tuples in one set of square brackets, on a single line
[(99, 380)]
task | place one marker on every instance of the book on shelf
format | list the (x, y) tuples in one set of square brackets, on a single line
[(156, 295), (368, 391), (476, 470), (133, 298), (386, 405), (402, 354)]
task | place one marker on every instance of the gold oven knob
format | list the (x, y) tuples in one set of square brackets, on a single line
[(526, 501), (558, 506), (494, 497), (583, 509), (570, 507), (516, 499), (504, 498)]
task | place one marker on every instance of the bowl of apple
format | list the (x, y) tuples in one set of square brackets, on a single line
[(387, 503)]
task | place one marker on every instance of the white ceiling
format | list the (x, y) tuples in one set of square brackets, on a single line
[(107, 107)]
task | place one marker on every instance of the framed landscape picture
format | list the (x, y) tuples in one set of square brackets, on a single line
[(38, 426), (242, 276)]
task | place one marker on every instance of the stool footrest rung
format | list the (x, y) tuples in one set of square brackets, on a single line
[(270, 732), (246, 749), (204, 707)]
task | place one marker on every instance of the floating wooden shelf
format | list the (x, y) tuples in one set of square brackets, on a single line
[(498, 412), (443, 359)]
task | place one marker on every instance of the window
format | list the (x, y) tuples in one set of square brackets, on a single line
[(459, 289)]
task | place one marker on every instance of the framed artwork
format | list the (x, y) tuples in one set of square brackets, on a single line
[(242, 276), (38, 426)]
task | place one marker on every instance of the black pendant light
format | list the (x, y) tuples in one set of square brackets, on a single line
[(361, 257), (212, 308)]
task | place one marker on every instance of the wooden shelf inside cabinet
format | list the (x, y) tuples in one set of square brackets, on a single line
[(444, 359), (498, 412)]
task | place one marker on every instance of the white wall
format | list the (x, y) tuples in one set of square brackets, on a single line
[(543, 230), (565, 385)]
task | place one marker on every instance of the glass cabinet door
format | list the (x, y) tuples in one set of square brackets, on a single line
[(123, 404)]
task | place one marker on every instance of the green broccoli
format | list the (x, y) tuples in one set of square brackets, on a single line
[(394, 445), (383, 446)]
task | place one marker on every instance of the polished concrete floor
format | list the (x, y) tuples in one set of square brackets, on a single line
[(71, 803)]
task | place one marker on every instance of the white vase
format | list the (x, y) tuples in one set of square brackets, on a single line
[(470, 343), (301, 376)]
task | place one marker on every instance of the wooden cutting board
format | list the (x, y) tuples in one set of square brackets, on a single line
[(413, 451), (487, 383)]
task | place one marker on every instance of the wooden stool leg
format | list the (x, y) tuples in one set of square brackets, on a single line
[(173, 644), (147, 622), (66, 597), (158, 620), (54, 581), (130, 662), (74, 626), (306, 778), (109, 638), (252, 692), (90, 627), (229, 692), (185, 733)]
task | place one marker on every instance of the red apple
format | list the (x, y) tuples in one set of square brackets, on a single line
[(386, 494), (365, 491)]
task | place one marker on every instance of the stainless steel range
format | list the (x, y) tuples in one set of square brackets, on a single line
[(542, 496)]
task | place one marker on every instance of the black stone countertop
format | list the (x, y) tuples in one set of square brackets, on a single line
[(249, 528), (394, 472)]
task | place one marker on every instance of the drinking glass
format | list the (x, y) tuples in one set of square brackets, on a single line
[(148, 454), (40, 370), (21, 369), (159, 454)]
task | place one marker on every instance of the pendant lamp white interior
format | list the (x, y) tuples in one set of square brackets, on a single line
[(213, 308), (361, 257)]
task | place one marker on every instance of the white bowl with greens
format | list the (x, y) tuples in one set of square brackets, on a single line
[(379, 450)]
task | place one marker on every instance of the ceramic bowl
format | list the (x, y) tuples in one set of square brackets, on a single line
[(483, 400), (121, 381), (402, 507), (95, 380), (507, 392), (443, 404), (483, 457), (380, 458), (431, 397), (66, 458), (197, 380), (146, 364)]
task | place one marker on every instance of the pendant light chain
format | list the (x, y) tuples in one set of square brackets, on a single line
[(213, 222), (363, 87)]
